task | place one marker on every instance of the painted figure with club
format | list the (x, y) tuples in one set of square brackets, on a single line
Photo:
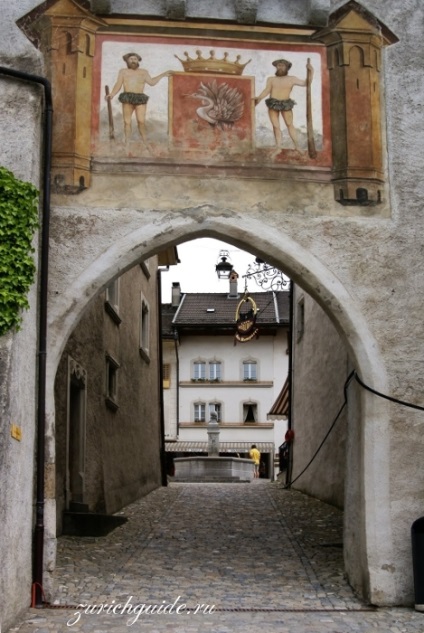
[(278, 89), (132, 81)]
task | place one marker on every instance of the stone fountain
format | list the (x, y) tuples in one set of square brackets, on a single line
[(213, 467)]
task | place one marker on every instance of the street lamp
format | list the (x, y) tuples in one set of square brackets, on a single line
[(223, 267)]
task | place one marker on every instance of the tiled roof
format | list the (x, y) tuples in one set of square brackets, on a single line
[(167, 313), (218, 309)]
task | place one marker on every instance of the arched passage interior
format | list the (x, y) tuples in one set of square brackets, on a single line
[(364, 481)]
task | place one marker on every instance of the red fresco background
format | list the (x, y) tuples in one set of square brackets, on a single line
[(189, 131)]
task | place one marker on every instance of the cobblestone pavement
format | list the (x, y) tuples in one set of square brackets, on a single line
[(263, 558)]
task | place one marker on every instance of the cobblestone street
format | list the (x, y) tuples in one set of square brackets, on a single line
[(255, 557)]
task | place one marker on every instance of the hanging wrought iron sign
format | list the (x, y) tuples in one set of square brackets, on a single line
[(267, 277), (246, 328)]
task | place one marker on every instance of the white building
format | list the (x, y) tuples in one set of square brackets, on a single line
[(206, 369)]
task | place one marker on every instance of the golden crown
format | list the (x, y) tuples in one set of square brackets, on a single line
[(212, 65)]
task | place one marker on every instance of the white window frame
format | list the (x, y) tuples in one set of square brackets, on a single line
[(197, 364), (215, 370), (248, 366), (111, 386), (199, 410), (254, 406), (112, 299)]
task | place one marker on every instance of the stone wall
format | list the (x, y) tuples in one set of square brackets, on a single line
[(320, 369), (122, 445)]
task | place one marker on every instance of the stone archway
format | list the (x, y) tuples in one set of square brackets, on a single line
[(109, 248)]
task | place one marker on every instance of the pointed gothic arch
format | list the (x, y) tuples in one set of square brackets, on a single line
[(367, 469)]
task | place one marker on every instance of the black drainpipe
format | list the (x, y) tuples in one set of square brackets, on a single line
[(38, 545), (177, 358), (290, 385), (164, 476)]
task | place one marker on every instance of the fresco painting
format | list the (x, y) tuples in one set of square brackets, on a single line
[(211, 112), (194, 101)]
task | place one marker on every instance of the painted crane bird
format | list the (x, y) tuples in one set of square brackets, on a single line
[(222, 105)]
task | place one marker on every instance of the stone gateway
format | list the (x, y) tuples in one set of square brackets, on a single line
[(344, 224)]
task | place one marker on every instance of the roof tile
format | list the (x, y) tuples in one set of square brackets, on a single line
[(204, 309)]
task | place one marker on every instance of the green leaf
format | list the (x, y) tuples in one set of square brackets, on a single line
[(18, 222)]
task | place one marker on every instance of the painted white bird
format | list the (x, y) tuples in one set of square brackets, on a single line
[(222, 104)]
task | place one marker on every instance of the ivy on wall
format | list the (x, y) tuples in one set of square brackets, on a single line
[(18, 221)]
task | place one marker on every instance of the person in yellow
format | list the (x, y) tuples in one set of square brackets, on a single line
[(256, 456)]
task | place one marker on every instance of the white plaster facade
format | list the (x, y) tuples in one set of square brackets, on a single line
[(170, 391), (364, 270), (231, 393)]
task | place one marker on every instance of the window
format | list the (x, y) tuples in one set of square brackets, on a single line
[(112, 294), (215, 370), (249, 370), (112, 301), (166, 375), (144, 330), (199, 370), (112, 367), (199, 412), (145, 267), (250, 412), (215, 406)]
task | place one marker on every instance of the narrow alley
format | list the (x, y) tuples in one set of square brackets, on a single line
[(213, 557)]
